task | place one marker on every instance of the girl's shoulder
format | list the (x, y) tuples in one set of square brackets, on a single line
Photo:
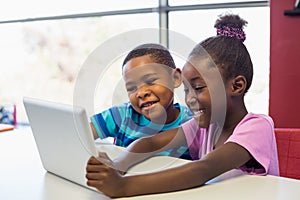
[(257, 120), (262, 117)]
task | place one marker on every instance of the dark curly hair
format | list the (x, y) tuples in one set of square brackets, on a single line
[(157, 52), (228, 53)]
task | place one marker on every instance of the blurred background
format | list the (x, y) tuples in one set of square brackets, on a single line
[(45, 43)]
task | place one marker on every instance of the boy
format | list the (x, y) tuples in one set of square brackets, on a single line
[(150, 78)]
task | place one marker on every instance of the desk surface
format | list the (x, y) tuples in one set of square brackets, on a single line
[(22, 176)]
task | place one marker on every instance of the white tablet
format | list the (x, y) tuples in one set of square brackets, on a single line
[(63, 137)]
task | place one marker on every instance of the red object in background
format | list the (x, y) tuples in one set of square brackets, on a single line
[(288, 147), (15, 114), (284, 99)]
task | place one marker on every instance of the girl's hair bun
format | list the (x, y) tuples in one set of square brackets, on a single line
[(231, 26)]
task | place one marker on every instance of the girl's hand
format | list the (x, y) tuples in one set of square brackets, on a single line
[(101, 174)]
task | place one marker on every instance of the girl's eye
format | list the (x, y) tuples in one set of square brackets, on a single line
[(199, 89)]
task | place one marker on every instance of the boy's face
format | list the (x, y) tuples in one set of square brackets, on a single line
[(150, 88), (204, 92)]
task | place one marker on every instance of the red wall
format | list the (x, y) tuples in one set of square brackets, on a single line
[(284, 104)]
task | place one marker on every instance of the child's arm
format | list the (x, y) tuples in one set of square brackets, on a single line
[(105, 124), (146, 147), (110, 182)]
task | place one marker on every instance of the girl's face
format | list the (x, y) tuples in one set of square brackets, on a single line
[(150, 88), (204, 92)]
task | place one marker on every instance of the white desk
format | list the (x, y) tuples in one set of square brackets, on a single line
[(23, 177)]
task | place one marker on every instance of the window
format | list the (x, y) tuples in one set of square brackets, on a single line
[(55, 8), (257, 43), (42, 58), (43, 47)]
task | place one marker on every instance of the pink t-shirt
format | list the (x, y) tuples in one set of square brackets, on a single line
[(255, 132)]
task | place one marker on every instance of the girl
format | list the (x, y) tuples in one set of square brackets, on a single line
[(224, 139)]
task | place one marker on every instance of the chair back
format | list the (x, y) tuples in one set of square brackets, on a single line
[(288, 147)]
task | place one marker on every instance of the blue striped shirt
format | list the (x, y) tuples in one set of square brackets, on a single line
[(126, 125)]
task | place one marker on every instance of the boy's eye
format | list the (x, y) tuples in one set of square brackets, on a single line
[(150, 81), (131, 89)]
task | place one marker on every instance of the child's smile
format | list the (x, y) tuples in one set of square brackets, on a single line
[(148, 105), (197, 96), (150, 89), (198, 113)]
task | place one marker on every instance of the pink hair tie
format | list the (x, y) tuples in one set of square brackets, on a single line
[(232, 32)]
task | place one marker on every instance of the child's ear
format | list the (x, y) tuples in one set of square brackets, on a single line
[(177, 78), (238, 85)]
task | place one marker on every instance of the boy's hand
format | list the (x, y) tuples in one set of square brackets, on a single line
[(101, 174)]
